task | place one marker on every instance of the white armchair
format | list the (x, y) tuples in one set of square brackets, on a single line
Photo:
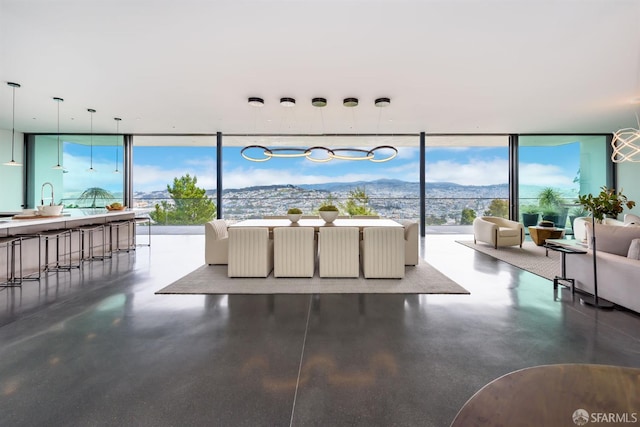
[(250, 252), (382, 252), (216, 242), (338, 249), (497, 231), (411, 239), (294, 253)]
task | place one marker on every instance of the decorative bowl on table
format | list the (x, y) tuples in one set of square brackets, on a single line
[(328, 216), (294, 217), (115, 207)]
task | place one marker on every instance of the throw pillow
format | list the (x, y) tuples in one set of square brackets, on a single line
[(612, 238), (634, 249), (631, 219)]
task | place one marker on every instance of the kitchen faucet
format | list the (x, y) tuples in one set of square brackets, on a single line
[(42, 194)]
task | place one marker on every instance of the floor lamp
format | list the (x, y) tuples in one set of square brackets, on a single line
[(588, 300)]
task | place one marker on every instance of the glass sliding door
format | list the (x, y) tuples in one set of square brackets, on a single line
[(174, 181), (554, 170), (465, 177), (254, 189)]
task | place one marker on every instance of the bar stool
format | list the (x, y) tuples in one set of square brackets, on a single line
[(118, 225), (87, 254), (63, 233), (10, 244), (141, 220)]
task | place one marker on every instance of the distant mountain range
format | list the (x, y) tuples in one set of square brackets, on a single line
[(381, 186)]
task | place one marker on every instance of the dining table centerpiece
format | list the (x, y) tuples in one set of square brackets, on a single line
[(328, 213), (294, 214)]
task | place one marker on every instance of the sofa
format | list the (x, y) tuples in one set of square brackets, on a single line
[(618, 266)]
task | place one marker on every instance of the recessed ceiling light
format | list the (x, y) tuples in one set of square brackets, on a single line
[(383, 102), (256, 102), (350, 102), (287, 102), (319, 102)]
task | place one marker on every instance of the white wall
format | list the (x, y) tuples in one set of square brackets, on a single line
[(629, 183), (11, 177)]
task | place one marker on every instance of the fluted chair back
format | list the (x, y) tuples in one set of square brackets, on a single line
[(250, 252), (338, 251), (294, 253), (382, 252)]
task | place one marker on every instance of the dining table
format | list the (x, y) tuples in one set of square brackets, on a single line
[(361, 223)]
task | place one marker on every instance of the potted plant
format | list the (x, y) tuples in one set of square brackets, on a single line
[(294, 214), (550, 214), (530, 215), (577, 212), (607, 203), (328, 213)]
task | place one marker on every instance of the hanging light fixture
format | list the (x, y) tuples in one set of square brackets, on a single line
[(117, 119), (626, 145), (58, 101), (13, 127), (91, 169)]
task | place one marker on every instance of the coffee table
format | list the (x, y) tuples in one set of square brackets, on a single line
[(540, 234)]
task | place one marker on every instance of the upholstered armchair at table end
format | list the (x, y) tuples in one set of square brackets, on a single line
[(411, 239), (216, 242), (250, 252), (497, 231)]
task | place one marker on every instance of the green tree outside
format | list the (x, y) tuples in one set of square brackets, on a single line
[(467, 216), (498, 207), (357, 203), (190, 204)]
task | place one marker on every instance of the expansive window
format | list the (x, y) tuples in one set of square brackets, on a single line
[(174, 179), (466, 177), (553, 170), (262, 188), (91, 174)]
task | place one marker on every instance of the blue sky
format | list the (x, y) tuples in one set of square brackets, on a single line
[(155, 167)]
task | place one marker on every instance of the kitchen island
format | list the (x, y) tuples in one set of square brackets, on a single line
[(36, 228)]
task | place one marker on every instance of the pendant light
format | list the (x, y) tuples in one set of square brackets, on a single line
[(58, 101), (91, 169), (117, 119), (13, 127)]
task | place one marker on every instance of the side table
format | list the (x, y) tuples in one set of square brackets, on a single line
[(564, 250)]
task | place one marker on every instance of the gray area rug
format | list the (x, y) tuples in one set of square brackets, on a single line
[(530, 258), (212, 279)]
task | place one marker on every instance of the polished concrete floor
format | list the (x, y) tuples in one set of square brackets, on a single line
[(96, 347)]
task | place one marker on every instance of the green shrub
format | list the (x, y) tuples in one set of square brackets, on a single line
[(330, 208), (294, 211)]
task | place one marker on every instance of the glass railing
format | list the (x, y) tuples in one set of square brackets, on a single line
[(439, 211)]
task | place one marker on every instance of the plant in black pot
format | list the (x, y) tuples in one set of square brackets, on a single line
[(530, 215), (551, 202)]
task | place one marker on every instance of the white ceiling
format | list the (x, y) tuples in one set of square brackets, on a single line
[(450, 66)]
